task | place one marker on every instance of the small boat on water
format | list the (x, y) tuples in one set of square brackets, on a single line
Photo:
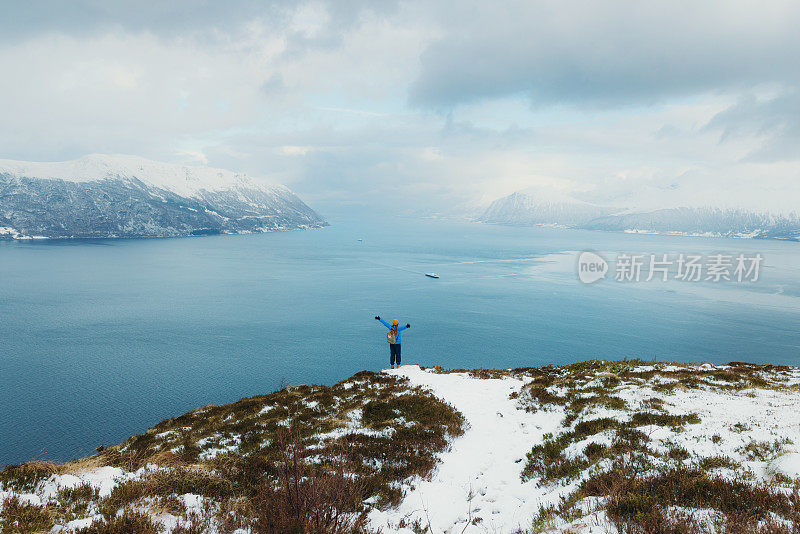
[(432, 275)]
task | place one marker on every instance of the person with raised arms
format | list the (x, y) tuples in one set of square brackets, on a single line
[(393, 338)]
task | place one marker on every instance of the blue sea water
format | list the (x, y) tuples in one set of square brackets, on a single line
[(102, 339)]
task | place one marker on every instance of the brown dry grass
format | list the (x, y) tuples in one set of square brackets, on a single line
[(407, 427)]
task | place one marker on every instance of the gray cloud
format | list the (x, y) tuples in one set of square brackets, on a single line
[(608, 53), (416, 103), (23, 20), (209, 21), (775, 120)]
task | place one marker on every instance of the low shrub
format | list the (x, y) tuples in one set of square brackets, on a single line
[(663, 419), (20, 516), (638, 502), (24, 477), (129, 522), (318, 499)]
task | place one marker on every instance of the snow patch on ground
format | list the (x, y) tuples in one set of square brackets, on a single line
[(224, 446), (477, 485), (479, 477), (787, 465)]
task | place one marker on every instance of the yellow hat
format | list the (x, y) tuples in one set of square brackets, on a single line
[(395, 322)]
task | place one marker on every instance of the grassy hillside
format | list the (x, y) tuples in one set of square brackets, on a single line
[(625, 446), (305, 458)]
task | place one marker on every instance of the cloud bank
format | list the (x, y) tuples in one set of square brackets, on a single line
[(420, 105)]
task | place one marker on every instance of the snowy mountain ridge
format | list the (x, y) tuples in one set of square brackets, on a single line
[(101, 196), (529, 209), (183, 180), (522, 208)]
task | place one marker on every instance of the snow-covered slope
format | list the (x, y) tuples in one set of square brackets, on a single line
[(532, 208), (722, 222), (734, 422), (479, 477), (596, 447), (128, 196), (524, 209)]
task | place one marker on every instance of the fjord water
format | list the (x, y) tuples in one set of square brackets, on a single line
[(102, 339)]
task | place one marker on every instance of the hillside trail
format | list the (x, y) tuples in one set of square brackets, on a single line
[(477, 486)]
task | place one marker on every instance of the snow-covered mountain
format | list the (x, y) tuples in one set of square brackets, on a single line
[(724, 222), (528, 208), (126, 196), (522, 208)]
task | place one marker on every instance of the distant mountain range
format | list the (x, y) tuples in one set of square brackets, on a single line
[(530, 209), (101, 196)]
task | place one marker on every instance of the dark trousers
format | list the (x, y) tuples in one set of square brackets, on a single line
[(394, 353)]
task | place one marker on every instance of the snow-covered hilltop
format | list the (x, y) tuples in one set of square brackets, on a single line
[(532, 208), (589, 448), (529, 209), (611, 448), (126, 196)]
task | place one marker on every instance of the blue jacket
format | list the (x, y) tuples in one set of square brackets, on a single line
[(399, 329)]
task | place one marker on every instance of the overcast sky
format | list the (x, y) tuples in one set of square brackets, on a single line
[(429, 104)]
